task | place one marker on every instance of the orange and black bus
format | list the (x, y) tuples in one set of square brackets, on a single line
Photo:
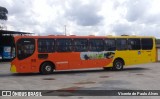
[(46, 54)]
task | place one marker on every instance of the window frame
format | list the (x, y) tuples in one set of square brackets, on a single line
[(121, 44), (71, 41), (105, 48), (46, 45), (74, 40), (91, 47), (134, 44), (143, 46)]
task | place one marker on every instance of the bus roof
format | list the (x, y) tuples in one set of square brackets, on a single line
[(130, 36), (73, 36)]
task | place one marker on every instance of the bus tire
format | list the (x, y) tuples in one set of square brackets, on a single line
[(118, 65), (46, 68)]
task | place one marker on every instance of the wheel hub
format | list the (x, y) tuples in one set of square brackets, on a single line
[(48, 68), (118, 65)]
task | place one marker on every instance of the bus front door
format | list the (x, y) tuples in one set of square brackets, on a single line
[(26, 49)]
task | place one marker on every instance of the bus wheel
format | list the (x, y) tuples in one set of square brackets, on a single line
[(118, 65), (46, 68)]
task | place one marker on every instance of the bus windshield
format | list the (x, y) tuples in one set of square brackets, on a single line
[(25, 48)]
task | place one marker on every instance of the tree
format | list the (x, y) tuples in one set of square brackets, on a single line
[(3, 17), (3, 13)]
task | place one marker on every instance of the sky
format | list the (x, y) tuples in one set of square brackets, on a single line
[(84, 17)]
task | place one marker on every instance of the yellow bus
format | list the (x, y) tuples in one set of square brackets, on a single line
[(46, 54)]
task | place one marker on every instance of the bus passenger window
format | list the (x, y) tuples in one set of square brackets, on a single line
[(147, 43), (110, 44), (134, 44), (46, 45), (81, 45), (96, 45), (121, 44), (64, 45)]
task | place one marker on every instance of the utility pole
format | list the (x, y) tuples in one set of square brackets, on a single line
[(65, 30)]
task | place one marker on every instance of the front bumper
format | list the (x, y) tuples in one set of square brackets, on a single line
[(13, 69)]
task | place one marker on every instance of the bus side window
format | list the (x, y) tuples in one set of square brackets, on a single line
[(121, 44), (147, 43), (46, 45), (80, 45), (64, 45), (134, 44), (96, 45), (110, 44)]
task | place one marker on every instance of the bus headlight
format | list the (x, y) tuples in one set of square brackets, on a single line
[(13, 69)]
